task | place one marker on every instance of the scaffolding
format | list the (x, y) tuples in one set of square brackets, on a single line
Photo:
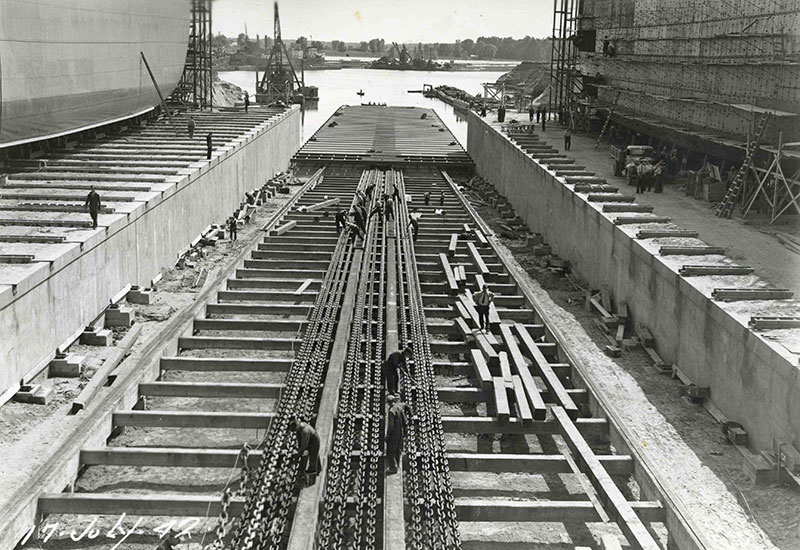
[(565, 83), (195, 88)]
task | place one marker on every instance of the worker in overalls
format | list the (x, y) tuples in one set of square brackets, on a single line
[(397, 417), (93, 203), (308, 449), (483, 300), (394, 365)]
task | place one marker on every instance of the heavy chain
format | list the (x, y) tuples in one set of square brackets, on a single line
[(427, 482), (265, 516)]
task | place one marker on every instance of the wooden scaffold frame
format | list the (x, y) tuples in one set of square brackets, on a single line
[(780, 193)]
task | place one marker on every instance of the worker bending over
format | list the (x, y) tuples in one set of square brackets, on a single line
[(341, 220), (483, 299), (308, 448), (397, 417), (393, 366)]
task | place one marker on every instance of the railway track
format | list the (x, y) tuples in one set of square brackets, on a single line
[(506, 446)]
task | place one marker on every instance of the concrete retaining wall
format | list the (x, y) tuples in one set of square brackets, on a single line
[(62, 297), (753, 381)]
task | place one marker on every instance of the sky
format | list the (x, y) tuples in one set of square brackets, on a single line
[(401, 21)]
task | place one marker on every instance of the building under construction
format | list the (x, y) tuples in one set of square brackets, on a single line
[(695, 76)]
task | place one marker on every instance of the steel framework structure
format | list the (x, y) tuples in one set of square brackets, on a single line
[(564, 86), (196, 88)]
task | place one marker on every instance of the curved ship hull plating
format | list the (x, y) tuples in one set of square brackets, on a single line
[(72, 64)]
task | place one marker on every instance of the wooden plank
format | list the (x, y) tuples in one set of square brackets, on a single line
[(319, 205), (464, 313), (210, 389), (303, 286), (530, 464), (488, 350), (553, 511), (505, 368), (167, 457), (451, 249), (137, 504), (462, 328), (599, 307), (494, 317), (614, 502), (467, 303), (520, 368), (481, 369), (489, 424), (476, 258), (479, 280), (548, 376), (281, 229), (502, 408), (181, 419), (452, 285), (523, 409), (482, 241)]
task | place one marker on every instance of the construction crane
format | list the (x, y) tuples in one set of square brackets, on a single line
[(280, 85)]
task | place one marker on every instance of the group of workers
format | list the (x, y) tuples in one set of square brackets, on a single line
[(398, 414), (651, 173), (360, 214), (397, 418)]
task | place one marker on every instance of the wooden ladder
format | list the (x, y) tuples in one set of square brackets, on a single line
[(725, 208), (608, 120)]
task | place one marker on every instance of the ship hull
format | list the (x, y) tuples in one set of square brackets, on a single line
[(67, 65)]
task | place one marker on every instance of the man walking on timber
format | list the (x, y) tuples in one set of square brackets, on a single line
[(413, 221), (483, 299), (307, 447), (393, 366), (209, 142), (246, 101), (93, 202), (233, 228), (397, 417), (190, 126)]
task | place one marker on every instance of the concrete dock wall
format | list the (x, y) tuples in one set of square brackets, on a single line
[(753, 381), (61, 297)]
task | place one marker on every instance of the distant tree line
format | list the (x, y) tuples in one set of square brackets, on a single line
[(485, 47)]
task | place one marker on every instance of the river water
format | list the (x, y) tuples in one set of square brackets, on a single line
[(339, 87)]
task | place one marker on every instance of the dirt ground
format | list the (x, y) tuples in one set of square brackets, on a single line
[(683, 440), (30, 433)]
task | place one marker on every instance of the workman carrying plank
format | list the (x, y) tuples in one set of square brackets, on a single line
[(308, 449), (483, 299), (93, 203), (397, 417), (395, 364)]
